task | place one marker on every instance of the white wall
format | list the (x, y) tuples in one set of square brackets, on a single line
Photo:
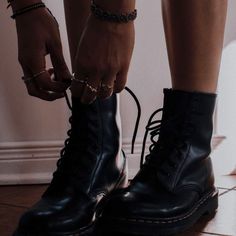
[(23, 118), (30, 128)]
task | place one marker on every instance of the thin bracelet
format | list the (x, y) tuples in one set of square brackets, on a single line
[(112, 17), (27, 9)]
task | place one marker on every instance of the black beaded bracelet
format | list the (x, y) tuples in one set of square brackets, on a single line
[(27, 9), (112, 17)]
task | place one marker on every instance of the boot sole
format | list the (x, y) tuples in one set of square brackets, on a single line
[(207, 205), (86, 231)]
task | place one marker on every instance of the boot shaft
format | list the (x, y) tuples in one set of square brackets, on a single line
[(92, 155), (190, 118), (187, 133), (97, 123)]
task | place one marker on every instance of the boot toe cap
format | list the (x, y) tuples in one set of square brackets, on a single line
[(134, 205)]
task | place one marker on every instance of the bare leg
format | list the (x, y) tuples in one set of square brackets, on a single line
[(76, 12), (194, 36)]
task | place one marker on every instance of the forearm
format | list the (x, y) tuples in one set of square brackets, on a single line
[(76, 13), (119, 6), (16, 4)]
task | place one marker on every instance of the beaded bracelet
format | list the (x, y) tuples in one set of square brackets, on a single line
[(27, 9), (112, 17)]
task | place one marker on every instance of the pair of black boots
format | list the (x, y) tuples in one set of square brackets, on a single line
[(172, 190)]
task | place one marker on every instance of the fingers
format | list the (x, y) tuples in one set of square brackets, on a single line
[(62, 72), (78, 85), (90, 90), (35, 91), (45, 82), (107, 86), (121, 80), (44, 95)]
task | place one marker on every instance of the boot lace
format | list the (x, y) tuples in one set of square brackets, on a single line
[(67, 149), (168, 153)]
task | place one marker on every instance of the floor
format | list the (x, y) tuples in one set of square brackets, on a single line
[(14, 200)]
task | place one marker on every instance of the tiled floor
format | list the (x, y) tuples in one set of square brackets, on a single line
[(14, 200)]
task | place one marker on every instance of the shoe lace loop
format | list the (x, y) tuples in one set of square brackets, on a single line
[(154, 127), (67, 147), (177, 130)]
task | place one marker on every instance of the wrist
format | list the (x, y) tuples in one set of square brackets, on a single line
[(105, 27), (19, 4), (117, 6), (120, 15)]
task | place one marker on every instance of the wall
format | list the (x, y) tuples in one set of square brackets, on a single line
[(32, 131)]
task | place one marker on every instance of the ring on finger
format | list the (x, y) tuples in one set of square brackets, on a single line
[(91, 88), (106, 87), (34, 76), (77, 80), (39, 73), (27, 79)]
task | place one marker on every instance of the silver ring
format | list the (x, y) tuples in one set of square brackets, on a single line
[(27, 79), (106, 87), (38, 74), (78, 80), (94, 90)]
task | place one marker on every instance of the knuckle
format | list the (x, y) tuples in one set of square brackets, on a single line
[(118, 90), (119, 87)]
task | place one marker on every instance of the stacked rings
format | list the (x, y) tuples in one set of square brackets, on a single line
[(106, 87), (85, 82)]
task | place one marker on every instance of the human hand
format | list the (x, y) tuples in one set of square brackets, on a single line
[(38, 35), (102, 60)]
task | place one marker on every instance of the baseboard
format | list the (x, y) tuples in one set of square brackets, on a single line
[(34, 162)]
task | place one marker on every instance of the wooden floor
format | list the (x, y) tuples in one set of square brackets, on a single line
[(14, 200)]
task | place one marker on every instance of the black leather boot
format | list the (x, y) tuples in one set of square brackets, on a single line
[(175, 185), (91, 166)]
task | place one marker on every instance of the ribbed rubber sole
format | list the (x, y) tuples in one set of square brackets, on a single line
[(208, 204)]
